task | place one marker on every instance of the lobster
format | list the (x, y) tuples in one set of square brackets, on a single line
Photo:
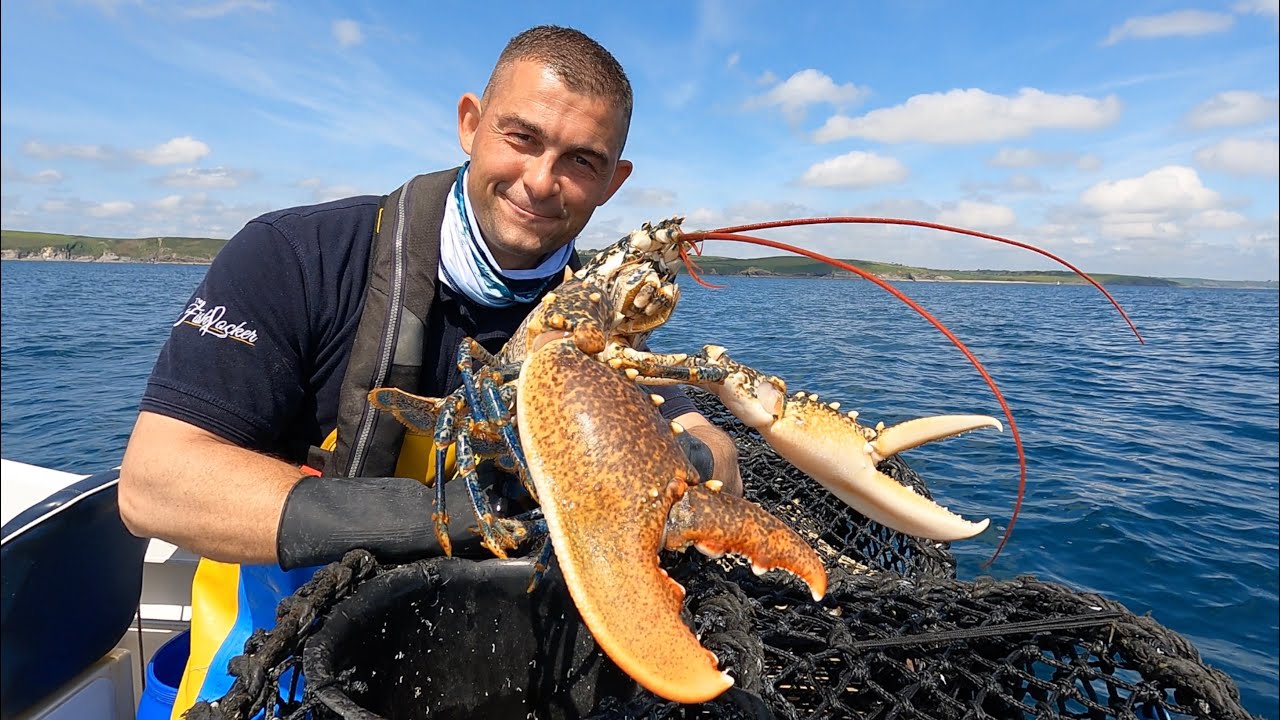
[(559, 406)]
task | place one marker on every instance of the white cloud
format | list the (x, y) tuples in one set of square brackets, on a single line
[(1178, 23), (109, 7), (37, 149), (168, 202), (647, 197), (1089, 163), (1018, 182), (111, 208), (191, 215), (1021, 182), (1217, 219), (185, 149), (226, 7), (973, 115), (347, 33), (1234, 107), (42, 177), (218, 177), (1027, 157), (970, 214), (1240, 156), (855, 169), (805, 88), (1142, 229), (56, 205), (1173, 188), (680, 94), (1258, 7), (1267, 243), (323, 192), (1019, 157), (179, 150)]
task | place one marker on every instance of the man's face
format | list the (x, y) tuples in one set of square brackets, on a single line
[(543, 158)]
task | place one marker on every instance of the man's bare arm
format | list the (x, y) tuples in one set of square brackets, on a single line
[(187, 486)]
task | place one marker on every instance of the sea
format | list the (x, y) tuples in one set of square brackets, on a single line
[(1152, 468)]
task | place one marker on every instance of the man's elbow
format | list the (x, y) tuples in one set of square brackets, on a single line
[(142, 507), (134, 507)]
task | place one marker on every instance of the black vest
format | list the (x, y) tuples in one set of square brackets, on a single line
[(390, 338)]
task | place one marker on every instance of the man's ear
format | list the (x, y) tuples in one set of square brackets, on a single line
[(468, 120), (621, 172)]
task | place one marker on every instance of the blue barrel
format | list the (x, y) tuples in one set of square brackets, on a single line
[(164, 673)]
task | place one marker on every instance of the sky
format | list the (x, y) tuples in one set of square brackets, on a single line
[(1136, 137)]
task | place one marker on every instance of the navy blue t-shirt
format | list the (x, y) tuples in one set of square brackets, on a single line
[(258, 355)]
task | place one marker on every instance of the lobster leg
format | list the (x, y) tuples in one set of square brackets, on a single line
[(500, 534), (449, 424), (497, 410), (418, 414)]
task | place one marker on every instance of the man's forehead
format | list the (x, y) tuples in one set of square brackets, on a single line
[(514, 96)]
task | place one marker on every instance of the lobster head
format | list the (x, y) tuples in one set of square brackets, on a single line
[(637, 277)]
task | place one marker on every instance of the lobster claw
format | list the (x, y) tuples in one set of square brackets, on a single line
[(614, 488), (841, 454)]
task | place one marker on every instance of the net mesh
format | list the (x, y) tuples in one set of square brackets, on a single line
[(897, 636)]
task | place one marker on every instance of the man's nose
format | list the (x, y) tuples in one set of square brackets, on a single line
[(540, 177)]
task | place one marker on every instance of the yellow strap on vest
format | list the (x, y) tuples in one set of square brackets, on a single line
[(214, 590), (417, 457)]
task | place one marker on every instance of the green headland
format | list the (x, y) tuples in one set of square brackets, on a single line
[(26, 245)]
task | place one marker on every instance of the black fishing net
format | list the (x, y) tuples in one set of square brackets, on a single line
[(897, 636)]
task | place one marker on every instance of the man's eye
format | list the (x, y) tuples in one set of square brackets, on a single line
[(584, 162)]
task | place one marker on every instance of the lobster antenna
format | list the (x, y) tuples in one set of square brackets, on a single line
[(1013, 426), (695, 272), (838, 220)]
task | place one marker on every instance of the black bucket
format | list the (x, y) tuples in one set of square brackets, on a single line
[(449, 638)]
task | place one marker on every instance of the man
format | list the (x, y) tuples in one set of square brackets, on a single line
[(285, 328)]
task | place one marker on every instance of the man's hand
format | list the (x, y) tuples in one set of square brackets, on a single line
[(325, 517), (724, 453), (699, 455), (191, 488)]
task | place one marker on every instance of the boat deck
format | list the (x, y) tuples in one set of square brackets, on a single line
[(164, 609)]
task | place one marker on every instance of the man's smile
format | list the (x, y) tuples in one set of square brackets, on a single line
[(530, 215)]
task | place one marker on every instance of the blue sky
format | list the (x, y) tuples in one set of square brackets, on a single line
[(1136, 137)]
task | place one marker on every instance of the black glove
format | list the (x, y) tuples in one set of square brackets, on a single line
[(325, 517), (698, 453)]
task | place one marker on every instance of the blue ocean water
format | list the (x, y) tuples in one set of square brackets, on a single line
[(1153, 468)]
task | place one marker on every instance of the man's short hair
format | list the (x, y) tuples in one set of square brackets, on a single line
[(582, 64)]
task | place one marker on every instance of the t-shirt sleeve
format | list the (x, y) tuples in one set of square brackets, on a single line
[(677, 403), (233, 363)]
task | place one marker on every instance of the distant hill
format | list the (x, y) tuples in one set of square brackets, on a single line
[(24, 245)]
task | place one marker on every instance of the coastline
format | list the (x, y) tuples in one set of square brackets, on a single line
[(107, 261), (1207, 284)]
